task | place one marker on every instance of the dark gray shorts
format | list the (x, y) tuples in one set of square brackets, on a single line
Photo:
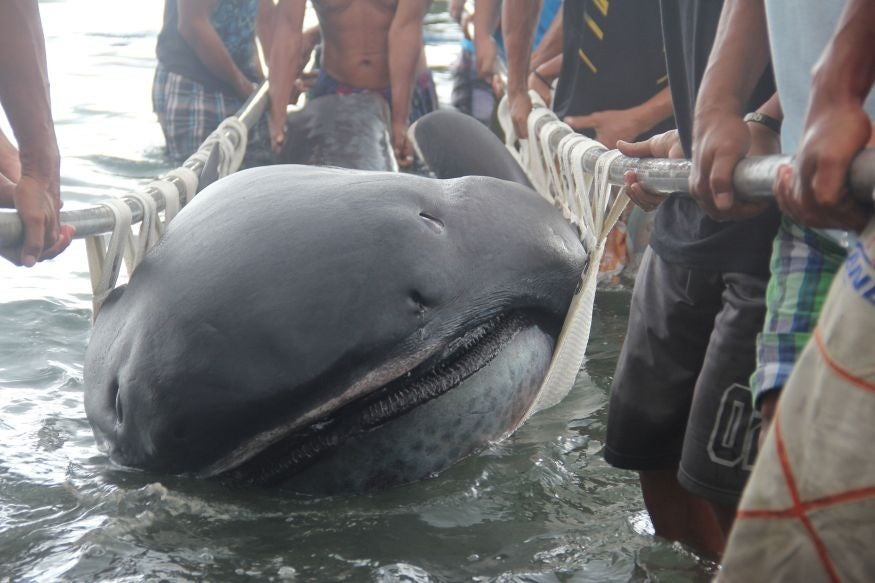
[(680, 395)]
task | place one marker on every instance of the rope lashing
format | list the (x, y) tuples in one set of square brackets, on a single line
[(552, 158), (570, 351), (137, 245), (105, 260), (179, 197), (230, 155), (175, 189)]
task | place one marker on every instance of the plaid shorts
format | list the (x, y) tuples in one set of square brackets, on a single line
[(471, 95), (803, 265), (188, 113)]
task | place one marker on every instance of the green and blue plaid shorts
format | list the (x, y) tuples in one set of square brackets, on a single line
[(804, 262)]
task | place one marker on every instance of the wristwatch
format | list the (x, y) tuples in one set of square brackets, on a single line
[(767, 120)]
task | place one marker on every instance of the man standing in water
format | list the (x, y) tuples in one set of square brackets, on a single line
[(368, 45), (33, 187), (207, 67)]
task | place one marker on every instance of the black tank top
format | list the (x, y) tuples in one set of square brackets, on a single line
[(612, 58), (234, 21)]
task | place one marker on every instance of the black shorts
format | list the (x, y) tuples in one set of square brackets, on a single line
[(680, 395)]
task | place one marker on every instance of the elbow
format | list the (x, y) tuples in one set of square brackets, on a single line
[(406, 33), (188, 30)]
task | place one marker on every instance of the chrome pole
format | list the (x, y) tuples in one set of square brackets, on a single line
[(99, 219), (752, 178)]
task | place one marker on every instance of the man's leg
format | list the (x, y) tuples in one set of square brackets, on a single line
[(187, 112), (803, 265), (721, 439), (670, 322), (678, 515)]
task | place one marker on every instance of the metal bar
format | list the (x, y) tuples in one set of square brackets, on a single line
[(99, 219), (752, 178)]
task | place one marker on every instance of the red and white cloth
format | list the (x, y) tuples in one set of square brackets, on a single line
[(808, 512)]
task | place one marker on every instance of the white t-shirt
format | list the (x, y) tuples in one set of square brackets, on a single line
[(798, 32)]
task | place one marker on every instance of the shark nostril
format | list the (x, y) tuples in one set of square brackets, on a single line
[(115, 395)]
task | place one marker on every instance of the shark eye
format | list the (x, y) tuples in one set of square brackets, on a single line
[(435, 223)]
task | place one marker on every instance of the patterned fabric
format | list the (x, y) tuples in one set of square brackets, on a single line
[(424, 98), (471, 95), (234, 21), (808, 512), (188, 113), (803, 265)]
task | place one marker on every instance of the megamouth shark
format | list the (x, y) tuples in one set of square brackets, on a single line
[(337, 329)]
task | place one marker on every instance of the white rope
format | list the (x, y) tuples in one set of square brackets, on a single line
[(150, 231), (230, 156), (105, 260), (552, 158), (570, 350), (173, 201)]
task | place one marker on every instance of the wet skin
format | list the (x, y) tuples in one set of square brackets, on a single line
[(334, 330)]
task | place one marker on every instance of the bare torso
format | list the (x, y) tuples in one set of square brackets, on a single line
[(355, 36)]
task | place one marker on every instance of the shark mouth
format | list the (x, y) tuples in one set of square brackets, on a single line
[(462, 359)]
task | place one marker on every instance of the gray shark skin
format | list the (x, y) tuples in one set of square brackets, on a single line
[(454, 145), (332, 330), (346, 131)]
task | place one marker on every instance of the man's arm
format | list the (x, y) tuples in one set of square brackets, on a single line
[(720, 136), (519, 19), (24, 93), (551, 44), (486, 16), (10, 165), (405, 47), (612, 126), (546, 61), (285, 57), (665, 145), (541, 78), (264, 29), (195, 27), (457, 7), (836, 126)]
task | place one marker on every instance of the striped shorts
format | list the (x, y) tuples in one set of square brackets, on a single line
[(188, 113)]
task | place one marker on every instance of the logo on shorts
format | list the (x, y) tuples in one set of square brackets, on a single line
[(736, 430)]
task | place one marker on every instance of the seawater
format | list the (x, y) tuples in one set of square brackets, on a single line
[(542, 506)]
